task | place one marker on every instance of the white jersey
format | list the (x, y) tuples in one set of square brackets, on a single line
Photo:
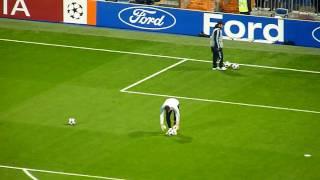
[(174, 106)]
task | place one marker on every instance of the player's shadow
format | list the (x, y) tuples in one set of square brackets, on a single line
[(179, 138), (189, 68), (140, 134), (234, 73)]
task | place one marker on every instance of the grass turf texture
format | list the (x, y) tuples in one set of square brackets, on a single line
[(118, 134)]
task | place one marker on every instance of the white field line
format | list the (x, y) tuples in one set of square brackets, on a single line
[(153, 75), (183, 60), (151, 55), (57, 172), (265, 67), (29, 174), (225, 102), (92, 49), (279, 68)]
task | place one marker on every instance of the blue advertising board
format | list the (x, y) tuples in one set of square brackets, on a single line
[(267, 30), (303, 33), (247, 27), (148, 18), (187, 22)]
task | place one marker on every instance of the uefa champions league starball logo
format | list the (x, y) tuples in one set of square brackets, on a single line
[(75, 10)]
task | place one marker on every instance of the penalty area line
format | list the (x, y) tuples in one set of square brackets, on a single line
[(92, 49), (29, 174), (225, 102), (264, 67), (150, 55), (153, 75), (26, 170)]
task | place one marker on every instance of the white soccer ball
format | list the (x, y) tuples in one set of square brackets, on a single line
[(72, 121), (172, 132), (227, 64), (235, 66)]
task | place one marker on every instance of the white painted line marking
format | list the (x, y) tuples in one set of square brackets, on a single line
[(151, 55), (224, 102), (279, 68), (153, 75), (29, 174), (57, 172), (183, 60), (307, 155), (265, 67), (91, 49)]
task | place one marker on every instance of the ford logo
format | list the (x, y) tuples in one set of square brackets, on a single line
[(147, 18), (316, 34)]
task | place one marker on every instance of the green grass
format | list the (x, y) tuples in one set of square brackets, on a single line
[(118, 134)]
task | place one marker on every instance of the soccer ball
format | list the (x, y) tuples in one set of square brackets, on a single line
[(72, 121), (235, 66), (75, 10), (227, 64), (172, 132)]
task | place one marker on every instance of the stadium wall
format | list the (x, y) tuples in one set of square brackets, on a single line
[(194, 23), (38, 10), (164, 20)]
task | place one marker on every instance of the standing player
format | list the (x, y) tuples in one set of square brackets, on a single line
[(216, 47), (169, 106)]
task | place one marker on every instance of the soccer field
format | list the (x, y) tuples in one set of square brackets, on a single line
[(256, 123)]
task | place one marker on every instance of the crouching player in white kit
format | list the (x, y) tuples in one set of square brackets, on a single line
[(169, 106)]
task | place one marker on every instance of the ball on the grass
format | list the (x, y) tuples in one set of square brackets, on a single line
[(227, 64), (235, 66), (172, 132), (72, 121)]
